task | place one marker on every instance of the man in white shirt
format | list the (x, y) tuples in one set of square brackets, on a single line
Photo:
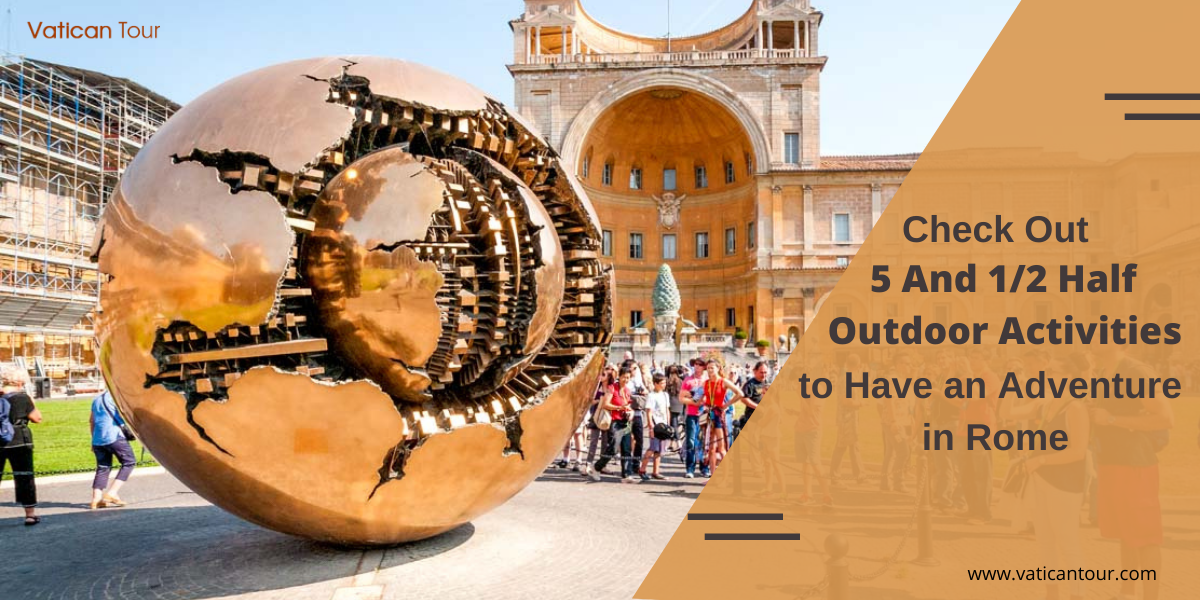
[(659, 416)]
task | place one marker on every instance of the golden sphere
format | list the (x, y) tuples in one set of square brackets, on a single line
[(351, 299)]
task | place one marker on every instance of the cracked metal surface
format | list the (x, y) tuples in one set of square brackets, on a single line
[(351, 299)]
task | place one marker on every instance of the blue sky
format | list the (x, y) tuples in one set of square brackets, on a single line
[(895, 68)]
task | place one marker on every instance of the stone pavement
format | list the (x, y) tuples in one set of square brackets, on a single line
[(561, 537)]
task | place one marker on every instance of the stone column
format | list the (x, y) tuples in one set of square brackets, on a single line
[(796, 37), (564, 43), (807, 47), (777, 237), (758, 36), (813, 38), (528, 45), (778, 304), (809, 225), (810, 306), (770, 35), (876, 203)]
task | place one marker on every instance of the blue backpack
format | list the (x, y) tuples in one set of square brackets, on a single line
[(6, 427)]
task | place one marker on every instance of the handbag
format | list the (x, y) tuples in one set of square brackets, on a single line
[(126, 430), (602, 419), (663, 431)]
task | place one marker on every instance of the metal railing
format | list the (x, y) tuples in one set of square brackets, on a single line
[(660, 57)]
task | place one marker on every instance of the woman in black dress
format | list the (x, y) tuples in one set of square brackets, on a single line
[(19, 452)]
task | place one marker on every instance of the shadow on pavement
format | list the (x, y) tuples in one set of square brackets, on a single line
[(182, 552)]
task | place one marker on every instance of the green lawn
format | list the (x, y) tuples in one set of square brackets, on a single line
[(62, 442)]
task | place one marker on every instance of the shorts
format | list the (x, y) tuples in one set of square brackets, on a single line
[(655, 445), (1128, 505), (808, 447)]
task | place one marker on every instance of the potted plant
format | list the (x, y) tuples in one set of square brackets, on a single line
[(762, 346), (739, 338)]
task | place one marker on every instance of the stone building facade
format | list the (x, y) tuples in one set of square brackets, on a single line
[(703, 153)]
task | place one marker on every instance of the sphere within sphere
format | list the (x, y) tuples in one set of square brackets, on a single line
[(351, 299)]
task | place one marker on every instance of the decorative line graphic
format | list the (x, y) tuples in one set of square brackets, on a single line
[(735, 516), (1157, 97), (1152, 96), (1162, 116), (752, 537)]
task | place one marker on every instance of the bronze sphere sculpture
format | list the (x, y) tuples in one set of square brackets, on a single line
[(351, 299)]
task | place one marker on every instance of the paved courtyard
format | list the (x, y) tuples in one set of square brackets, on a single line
[(552, 540)]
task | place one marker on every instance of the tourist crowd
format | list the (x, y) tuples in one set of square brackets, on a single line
[(1107, 477)]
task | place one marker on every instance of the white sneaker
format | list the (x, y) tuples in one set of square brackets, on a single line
[(689, 475), (595, 475)]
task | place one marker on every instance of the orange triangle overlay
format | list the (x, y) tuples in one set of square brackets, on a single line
[(1031, 135)]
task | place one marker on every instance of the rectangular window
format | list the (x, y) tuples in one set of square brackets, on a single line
[(635, 245), (669, 180), (587, 166), (750, 321), (606, 177), (843, 262), (635, 178), (670, 247), (702, 244), (606, 243), (941, 313), (751, 234), (791, 148), (701, 178), (730, 241), (841, 228), (702, 319), (635, 318), (730, 174), (731, 318)]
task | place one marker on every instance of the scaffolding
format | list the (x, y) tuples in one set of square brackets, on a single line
[(66, 136)]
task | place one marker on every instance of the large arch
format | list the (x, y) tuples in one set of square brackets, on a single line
[(581, 125)]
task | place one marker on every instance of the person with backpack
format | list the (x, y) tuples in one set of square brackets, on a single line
[(17, 411), (109, 440)]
